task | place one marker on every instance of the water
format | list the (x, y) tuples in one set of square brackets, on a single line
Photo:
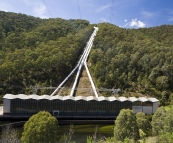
[(81, 131)]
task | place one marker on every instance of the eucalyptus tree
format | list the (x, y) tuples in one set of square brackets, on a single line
[(126, 126), (41, 127), (157, 122)]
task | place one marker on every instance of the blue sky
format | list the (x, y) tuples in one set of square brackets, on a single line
[(123, 13)]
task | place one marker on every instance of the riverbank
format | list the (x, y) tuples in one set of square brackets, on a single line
[(63, 122), (81, 132)]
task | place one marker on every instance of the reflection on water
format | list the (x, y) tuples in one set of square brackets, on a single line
[(81, 131)]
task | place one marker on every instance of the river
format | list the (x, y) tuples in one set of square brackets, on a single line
[(81, 131)]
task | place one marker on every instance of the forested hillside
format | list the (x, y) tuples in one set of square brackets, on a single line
[(138, 61), (36, 51), (42, 52)]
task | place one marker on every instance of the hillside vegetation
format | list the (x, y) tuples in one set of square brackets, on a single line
[(37, 51), (138, 61), (42, 52)]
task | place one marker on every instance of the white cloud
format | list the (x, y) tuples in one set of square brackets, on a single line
[(136, 23), (38, 8), (147, 14), (40, 11), (100, 9), (125, 20)]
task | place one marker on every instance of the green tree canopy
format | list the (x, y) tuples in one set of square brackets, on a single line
[(166, 138), (136, 60), (42, 127), (39, 52), (126, 125), (157, 122), (168, 121), (143, 123)]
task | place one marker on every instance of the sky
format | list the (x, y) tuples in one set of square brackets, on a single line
[(123, 13)]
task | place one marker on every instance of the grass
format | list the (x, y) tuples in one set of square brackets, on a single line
[(107, 129), (91, 128)]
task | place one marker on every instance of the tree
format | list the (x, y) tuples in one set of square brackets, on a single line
[(142, 134), (171, 98), (67, 138), (9, 135), (166, 138), (126, 126), (42, 127), (168, 121), (143, 123), (162, 82), (157, 122)]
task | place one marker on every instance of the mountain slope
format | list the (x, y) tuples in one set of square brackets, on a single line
[(138, 61), (41, 54)]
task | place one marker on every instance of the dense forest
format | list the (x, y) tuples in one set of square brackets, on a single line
[(42, 52), (138, 61), (36, 51)]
